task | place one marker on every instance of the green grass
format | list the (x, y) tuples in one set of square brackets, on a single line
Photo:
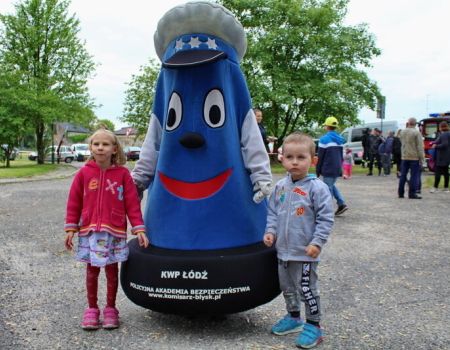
[(25, 168)]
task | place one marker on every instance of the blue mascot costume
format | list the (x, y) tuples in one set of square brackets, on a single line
[(207, 172)]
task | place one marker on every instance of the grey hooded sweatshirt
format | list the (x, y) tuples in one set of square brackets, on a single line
[(300, 213)]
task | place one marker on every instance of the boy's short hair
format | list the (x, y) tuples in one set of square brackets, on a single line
[(299, 137)]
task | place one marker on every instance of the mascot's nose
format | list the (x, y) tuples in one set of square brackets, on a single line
[(192, 140)]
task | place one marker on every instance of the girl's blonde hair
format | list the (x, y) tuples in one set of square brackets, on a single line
[(117, 159)]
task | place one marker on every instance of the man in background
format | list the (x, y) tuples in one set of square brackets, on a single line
[(374, 142), (412, 159), (262, 129), (366, 146)]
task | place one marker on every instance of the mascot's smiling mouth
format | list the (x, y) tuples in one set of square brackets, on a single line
[(195, 190)]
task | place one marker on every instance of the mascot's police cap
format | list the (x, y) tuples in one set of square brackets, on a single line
[(199, 32)]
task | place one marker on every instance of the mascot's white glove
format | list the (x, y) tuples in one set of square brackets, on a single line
[(262, 189)]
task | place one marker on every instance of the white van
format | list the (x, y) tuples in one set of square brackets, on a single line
[(81, 151), (353, 135)]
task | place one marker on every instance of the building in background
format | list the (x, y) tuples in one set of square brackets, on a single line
[(128, 136)]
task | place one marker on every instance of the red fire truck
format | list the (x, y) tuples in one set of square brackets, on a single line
[(429, 128)]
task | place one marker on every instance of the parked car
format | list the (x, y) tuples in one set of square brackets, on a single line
[(32, 156), (13, 155), (81, 151), (132, 153), (65, 154), (353, 136)]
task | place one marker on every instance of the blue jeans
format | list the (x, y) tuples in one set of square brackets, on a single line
[(414, 179), (331, 181)]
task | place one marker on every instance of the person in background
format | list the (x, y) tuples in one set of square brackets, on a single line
[(299, 221), (348, 163), (397, 152), (385, 151), (442, 149), (374, 142), (330, 160), (262, 129), (101, 198), (412, 159), (366, 146)]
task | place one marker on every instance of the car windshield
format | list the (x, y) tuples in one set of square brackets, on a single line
[(430, 130), (82, 147)]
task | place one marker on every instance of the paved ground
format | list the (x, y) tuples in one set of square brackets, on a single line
[(384, 279)]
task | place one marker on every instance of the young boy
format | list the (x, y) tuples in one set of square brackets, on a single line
[(299, 220)]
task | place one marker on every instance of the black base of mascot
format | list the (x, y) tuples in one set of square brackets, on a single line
[(200, 282)]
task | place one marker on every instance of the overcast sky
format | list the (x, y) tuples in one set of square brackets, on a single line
[(413, 71)]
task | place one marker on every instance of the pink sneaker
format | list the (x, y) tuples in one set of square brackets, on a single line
[(91, 319), (110, 317)]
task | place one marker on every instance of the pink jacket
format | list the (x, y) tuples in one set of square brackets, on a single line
[(100, 200)]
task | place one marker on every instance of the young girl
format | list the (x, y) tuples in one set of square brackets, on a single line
[(348, 163), (101, 198)]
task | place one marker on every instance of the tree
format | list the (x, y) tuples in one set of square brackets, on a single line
[(105, 123), (13, 107), (303, 64), (139, 97), (39, 42)]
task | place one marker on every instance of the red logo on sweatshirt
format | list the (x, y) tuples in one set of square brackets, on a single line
[(299, 191)]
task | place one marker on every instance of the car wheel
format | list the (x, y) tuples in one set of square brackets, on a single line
[(68, 160)]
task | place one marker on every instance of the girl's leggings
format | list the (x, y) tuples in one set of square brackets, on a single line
[(112, 283), (347, 170)]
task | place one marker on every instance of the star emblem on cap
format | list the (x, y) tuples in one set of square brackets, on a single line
[(212, 44), (179, 44), (194, 42)]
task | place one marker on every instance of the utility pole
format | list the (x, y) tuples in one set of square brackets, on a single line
[(381, 108)]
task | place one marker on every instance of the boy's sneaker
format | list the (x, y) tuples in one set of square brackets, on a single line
[(446, 190), (110, 318), (433, 190), (91, 318), (341, 209), (309, 337), (287, 325)]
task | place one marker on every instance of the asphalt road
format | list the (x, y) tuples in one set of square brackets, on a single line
[(384, 280)]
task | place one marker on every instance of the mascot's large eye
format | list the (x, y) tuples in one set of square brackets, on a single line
[(214, 109), (174, 112)]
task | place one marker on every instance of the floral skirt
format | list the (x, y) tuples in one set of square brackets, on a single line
[(101, 248)]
